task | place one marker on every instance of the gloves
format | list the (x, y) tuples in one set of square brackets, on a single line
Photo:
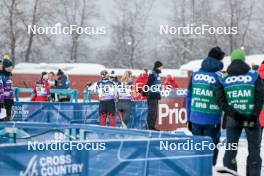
[(189, 126)]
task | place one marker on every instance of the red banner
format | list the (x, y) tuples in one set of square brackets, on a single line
[(171, 114)]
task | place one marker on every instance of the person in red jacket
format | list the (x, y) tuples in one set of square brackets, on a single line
[(138, 85), (42, 89), (170, 82), (261, 74)]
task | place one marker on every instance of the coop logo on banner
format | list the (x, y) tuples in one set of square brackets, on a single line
[(52, 166)]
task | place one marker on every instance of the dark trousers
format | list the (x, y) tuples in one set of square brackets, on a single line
[(208, 130), (8, 106), (125, 106), (233, 132), (152, 113)]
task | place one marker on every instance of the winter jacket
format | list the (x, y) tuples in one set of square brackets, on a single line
[(124, 91), (63, 82), (8, 88), (139, 83), (238, 68), (154, 85), (106, 89), (41, 91), (170, 82), (206, 78), (261, 74)]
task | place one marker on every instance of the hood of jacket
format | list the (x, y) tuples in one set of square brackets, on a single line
[(211, 64), (238, 67)]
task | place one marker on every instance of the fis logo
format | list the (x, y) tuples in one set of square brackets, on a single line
[(240, 79), (206, 78), (31, 169)]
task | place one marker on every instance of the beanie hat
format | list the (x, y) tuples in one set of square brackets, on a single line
[(216, 53), (238, 54), (158, 64)]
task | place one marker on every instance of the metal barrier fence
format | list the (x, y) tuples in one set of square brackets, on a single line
[(73, 113), (72, 92), (86, 93)]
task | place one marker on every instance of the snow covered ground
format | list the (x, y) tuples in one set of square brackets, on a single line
[(241, 158), (83, 69)]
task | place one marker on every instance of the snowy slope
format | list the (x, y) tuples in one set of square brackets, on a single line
[(251, 60), (83, 69), (69, 68)]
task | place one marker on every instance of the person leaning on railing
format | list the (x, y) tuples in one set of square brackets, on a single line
[(124, 104), (63, 83), (53, 83)]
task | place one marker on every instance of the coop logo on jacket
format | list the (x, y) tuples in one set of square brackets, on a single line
[(51, 166)]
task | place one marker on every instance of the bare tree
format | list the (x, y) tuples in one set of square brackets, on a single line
[(31, 35), (129, 32), (79, 13), (11, 30)]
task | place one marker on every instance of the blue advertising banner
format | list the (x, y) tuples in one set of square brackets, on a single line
[(105, 157), (72, 113)]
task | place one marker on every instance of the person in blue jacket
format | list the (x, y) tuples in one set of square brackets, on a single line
[(203, 113)]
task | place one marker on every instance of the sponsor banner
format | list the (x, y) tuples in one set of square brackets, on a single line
[(119, 157), (55, 112), (171, 114)]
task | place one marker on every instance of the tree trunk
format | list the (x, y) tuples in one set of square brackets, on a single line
[(31, 35), (12, 32)]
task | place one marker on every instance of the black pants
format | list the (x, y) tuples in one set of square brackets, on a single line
[(233, 132), (8, 106), (208, 130), (152, 113), (125, 106)]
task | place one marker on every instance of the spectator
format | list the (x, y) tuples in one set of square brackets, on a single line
[(205, 120), (52, 83), (63, 83), (261, 74), (153, 95), (170, 82), (106, 91), (41, 89), (8, 85), (124, 103), (3, 111), (242, 102), (138, 85)]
